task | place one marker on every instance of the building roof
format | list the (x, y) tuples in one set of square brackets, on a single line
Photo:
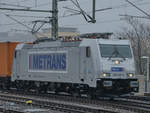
[(62, 29)]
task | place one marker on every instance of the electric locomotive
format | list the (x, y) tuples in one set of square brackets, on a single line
[(94, 67)]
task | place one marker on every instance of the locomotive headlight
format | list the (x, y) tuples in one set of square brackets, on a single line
[(106, 74), (130, 75), (117, 62)]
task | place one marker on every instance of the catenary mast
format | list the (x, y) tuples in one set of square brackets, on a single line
[(54, 32), (54, 11)]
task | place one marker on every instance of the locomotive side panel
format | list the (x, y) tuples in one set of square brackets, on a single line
[(80, 68), (46, 72)]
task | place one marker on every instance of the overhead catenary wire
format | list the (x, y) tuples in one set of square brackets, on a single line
[(6, 4), (117, 7), (98, 22), (133, 16), (113, 7), (11, 24), (33, 30), (18, 21), (18, 2), (28, 10), (78, 12), (28, 16), (138, 8)]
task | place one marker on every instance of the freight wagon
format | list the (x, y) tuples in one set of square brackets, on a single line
[(6, 60)]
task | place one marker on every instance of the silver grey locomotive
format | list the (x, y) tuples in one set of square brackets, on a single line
[(89, 66)]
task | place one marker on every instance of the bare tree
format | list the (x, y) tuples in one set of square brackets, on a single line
[(139, 35)]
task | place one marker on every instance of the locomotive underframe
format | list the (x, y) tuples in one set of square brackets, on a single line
[(117, 86), (105, 87)]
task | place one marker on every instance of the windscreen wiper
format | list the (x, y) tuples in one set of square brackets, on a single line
[(122, 56), (116, 53)]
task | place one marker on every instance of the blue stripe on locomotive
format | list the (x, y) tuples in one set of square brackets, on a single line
[(48, 61)]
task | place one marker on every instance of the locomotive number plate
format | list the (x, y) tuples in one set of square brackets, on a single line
[(117, 69)]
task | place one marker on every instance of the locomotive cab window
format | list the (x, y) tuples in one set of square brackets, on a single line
[(115, 51), (88, 52)]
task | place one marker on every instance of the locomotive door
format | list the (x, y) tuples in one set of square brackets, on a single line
[(18, 58), (85, 65), (82, 64)]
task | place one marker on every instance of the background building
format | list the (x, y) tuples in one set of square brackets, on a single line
[(62, 31)]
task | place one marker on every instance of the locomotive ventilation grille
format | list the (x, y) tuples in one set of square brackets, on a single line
[(118, 75)]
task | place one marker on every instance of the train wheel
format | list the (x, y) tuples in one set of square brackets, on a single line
[(76, 94), (91, 94), (56, 91)]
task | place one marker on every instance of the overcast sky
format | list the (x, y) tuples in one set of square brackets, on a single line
[(107, 21)]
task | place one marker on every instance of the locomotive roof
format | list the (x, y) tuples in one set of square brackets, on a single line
[(114, 41), (84, 42)]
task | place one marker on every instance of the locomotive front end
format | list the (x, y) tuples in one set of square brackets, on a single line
[(117, 74)]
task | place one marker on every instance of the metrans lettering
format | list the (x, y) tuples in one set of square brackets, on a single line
[(48, 61)]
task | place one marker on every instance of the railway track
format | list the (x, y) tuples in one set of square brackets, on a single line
[(9, 111), (142, 98), (55, 105), (12, 107), (133, 105), (82, 105)]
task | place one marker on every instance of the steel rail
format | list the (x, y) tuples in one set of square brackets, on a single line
[(59, 106), (128, 105)]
